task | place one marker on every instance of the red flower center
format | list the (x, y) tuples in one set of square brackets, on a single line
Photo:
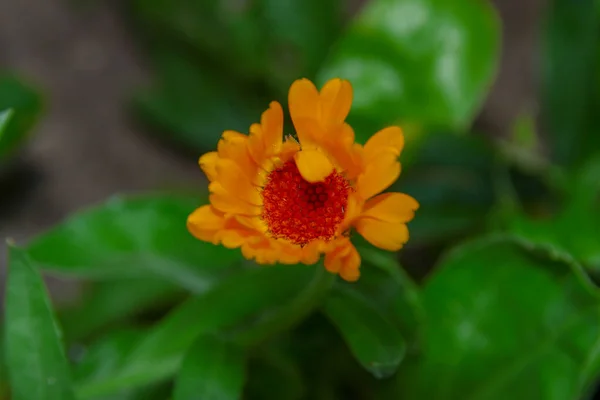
[(299, 211)]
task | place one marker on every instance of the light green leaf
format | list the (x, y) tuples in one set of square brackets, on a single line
[(374, 341), (134, 237), (428, 62), (213, 369), (245, 299), (35, 357), (505, 320)]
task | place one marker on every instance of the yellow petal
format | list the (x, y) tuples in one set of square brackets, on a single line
[(336, 100), (272, 128), (204, 222), (208, 164), (341, 147), (385, 235), (314, 166), (235, 182), (234, 146), (378, 175), (387, 139), (343, 259), (391, 207), (231, 239), (303, 100)]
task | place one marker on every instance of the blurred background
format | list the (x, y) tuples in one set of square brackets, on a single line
[(114, 108)]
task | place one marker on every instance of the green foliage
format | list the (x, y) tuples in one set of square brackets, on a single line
[(26, 105), (35, 357), (505, 315), (506, 320), (428, 62)]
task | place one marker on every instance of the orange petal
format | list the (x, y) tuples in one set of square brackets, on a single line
[(344, 151), (204, 222), (387, 139), (336, 100), (235, 182), (385, 235), (208, 164), (272, 128), (313, 165), (391, 207), (345, 260), (378, 175), (303, 100), (234, 146)]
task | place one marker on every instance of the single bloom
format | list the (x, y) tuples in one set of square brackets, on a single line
[(292, 199)]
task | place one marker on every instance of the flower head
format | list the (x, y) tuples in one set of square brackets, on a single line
[(290, 201)]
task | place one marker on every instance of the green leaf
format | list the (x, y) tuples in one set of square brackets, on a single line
[(26, 104), (274, 374), (244, 299), (134, 237), (35, 357), (580, 214), (571, 47), (374, 341), (385, 285), (105, 356), (505, 320), (5, 117), (105, 303), (213, 369), (421, 61)]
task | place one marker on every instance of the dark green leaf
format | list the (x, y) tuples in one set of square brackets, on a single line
[(213, 369), (35, 357), (571, 48), (388, 288), (374, 341), (506, 320), (107, 302), (243, 299), (273, 374), (134, 237), (26, 105), (195, 105), (451, 178), (4, 120), (428, 62)]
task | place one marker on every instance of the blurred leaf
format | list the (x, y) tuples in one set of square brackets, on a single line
[(385, 285), (273, 374), (194, 104), (373, 340), (108, 302), (5, 117), (240, 300), (134, 237), (26, 105), (425, 61), (35, 357), (105, 356), (451, 178), (213, 369), (571, 48), (506, 320), (576, 228)]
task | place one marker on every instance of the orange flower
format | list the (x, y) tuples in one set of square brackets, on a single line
[(287, 201)]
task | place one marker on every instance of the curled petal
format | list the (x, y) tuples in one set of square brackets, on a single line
[(235, 182), (391, 207), (314, 166), (272, 128), (385, 235), (345, 260), (205, 222), (389, 139)]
